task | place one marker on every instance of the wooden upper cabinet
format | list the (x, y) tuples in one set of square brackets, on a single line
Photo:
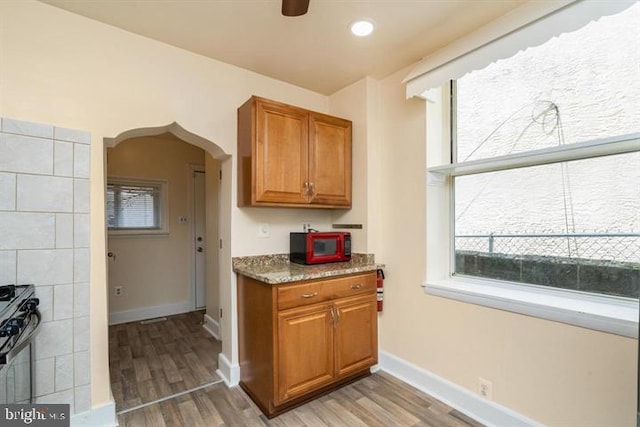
[(281, 161), (289, 156), (330, 160)]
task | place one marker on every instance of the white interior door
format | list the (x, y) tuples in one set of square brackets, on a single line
[(199, 221)]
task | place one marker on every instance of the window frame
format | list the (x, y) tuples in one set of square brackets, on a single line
[(163, 208), (617, 315)]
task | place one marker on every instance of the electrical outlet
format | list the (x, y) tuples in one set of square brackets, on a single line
[(485, 388), (263, 230), (306, 225), (118, 291)]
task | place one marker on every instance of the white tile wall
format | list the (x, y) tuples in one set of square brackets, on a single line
[(45, 294), (81, 195), (21, 127), (73, 135), (81, 367), (44, 239), (45, 373), (82, 398), (54, 339), (7, 191), (81, 230), (46, 266), (25, 230), (81, 161), (45, 193), (81, 333), (80, 299), (64, 231), (63, 158), (7, 267), (63, 302), (64, 372), (80, 265), (25, 154)]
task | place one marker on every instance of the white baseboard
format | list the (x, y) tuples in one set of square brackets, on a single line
[(487, 412), (102, 416), (212, 326), (229, 373), (149, 312)]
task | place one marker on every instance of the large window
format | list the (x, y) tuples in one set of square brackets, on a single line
[(544, 180), (571, 224), (135, 206)]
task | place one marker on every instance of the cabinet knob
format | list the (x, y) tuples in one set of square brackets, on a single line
[(315, 294), (355, 287)]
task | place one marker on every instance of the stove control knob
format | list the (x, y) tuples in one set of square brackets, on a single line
[(11, 328), (30, 305), (18, 322)]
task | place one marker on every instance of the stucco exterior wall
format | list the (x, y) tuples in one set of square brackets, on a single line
[(591, 77)]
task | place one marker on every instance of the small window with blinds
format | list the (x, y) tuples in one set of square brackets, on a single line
[(135, 207)]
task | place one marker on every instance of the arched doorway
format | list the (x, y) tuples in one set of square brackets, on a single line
[(154, 243)]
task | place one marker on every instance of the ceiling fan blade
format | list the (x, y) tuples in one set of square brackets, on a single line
[(294, 7)]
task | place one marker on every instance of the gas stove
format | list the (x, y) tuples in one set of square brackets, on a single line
[(10, 295), (19, 324)]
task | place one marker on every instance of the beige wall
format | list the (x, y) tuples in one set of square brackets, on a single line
[(154, 270), (359, 103), (553, 373)]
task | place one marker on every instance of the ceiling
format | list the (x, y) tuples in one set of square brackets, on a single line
[(315, 51)]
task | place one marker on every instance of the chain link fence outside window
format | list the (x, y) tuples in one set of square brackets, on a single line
[(617, 247)]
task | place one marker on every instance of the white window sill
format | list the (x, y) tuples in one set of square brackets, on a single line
[(138, 233), (608, 314)]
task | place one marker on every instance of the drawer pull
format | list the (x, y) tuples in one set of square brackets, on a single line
[(315, 294), (354, 287)]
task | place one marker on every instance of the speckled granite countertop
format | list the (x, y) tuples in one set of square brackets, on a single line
[(276, 269)]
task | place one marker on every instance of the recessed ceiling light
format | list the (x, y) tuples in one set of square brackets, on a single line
[(362, 28)]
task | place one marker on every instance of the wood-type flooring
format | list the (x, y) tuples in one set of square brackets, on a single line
[(153, 360), (156, 367)]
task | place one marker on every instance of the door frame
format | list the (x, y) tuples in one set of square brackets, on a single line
[(193, 168)]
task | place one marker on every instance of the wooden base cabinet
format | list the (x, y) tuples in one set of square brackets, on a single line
[(300, 340)]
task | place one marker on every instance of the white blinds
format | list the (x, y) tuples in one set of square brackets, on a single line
[(530, 25), (133, 206)]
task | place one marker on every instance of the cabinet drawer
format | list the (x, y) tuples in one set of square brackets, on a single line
[(290, 296)]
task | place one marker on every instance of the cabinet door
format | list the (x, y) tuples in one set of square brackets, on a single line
[(305, 350), (356, 334), (281, 154), (330, 160)]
